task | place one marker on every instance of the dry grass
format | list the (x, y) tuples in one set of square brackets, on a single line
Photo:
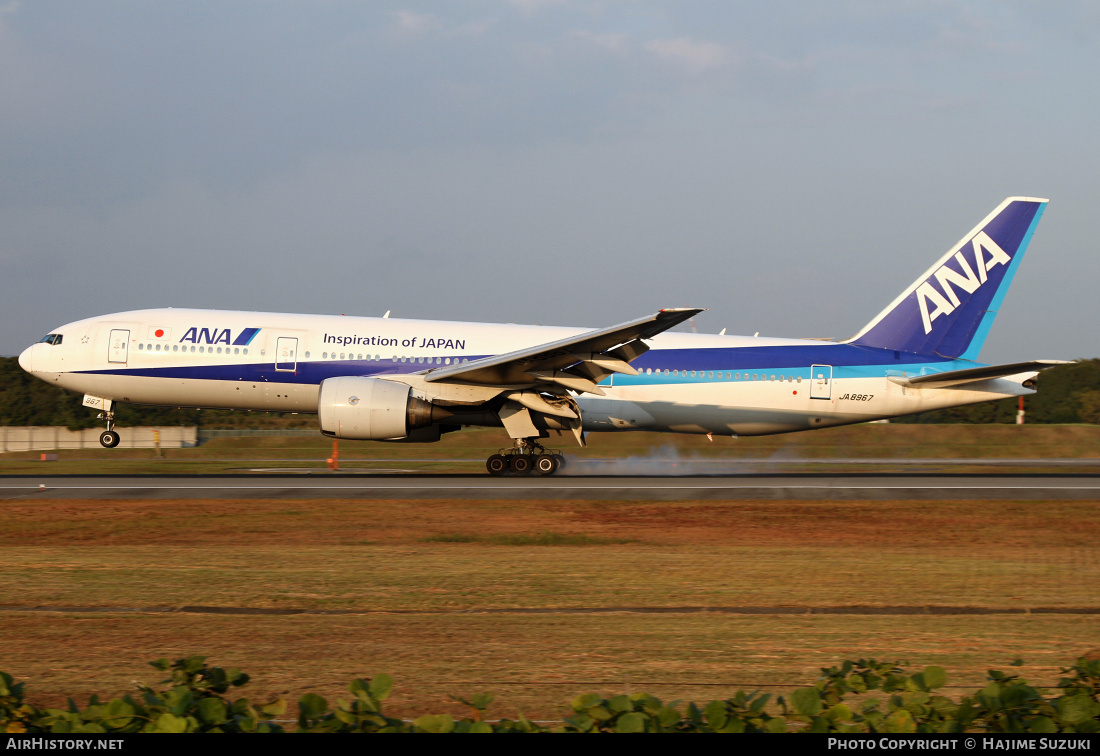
[(408, 556), (466, 451), (534, 664)]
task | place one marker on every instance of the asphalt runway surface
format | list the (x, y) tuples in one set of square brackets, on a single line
[(811, 486)]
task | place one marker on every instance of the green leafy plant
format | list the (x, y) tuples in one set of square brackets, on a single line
[(856, 696)]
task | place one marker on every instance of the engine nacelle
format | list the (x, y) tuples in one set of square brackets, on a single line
[(370, 409)]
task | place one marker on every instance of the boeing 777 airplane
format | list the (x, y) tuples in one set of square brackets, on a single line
[(386, 379)]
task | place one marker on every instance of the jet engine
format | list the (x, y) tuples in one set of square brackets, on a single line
[(373, 409)]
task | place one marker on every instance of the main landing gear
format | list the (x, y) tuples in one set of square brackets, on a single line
[(108, 438), (526, 457)]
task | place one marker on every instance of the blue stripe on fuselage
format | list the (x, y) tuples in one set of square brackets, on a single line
[(847, 360), (306, 372), (767, 357)]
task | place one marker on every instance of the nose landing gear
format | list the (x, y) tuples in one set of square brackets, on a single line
[(526, 457), (109, 438)]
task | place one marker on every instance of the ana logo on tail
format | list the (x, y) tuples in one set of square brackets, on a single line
[(966, 280)]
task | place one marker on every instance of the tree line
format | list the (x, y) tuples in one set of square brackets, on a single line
[(1067, 394), (26, 400)]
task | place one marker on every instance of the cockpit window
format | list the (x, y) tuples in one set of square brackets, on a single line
[(53, 338)]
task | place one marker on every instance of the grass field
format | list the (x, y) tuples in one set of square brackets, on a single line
[(888, 446), (431, 582)]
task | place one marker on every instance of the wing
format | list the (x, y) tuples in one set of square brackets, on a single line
[(971, 375), (576, 363)]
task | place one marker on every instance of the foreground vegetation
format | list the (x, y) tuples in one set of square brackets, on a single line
[(841, 700)]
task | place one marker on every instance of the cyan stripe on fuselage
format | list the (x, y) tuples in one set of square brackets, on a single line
[(847, 361)]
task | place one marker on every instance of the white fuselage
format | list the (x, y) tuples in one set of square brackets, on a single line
[(687, 383)]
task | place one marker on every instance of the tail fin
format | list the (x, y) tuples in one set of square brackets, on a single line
[(948, 311)]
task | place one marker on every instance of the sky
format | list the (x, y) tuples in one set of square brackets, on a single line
[(791, 166)]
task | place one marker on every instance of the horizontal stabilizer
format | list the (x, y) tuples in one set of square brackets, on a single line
[(972, 375)]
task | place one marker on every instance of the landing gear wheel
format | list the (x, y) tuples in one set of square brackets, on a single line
[(546, 464), (561, 461), (497, 464), (520, 464), (109, 439)]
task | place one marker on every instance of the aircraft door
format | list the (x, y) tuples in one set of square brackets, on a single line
[(286, 354), (119, 347), (821, 381)]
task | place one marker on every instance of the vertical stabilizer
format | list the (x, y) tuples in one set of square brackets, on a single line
[(948, 311)]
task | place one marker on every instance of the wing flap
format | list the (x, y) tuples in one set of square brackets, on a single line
[(568, 380), (601, 351)]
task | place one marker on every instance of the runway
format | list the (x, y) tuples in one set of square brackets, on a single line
[(810, 486)]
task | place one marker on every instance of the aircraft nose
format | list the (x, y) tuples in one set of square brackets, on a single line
[(26, 358)]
